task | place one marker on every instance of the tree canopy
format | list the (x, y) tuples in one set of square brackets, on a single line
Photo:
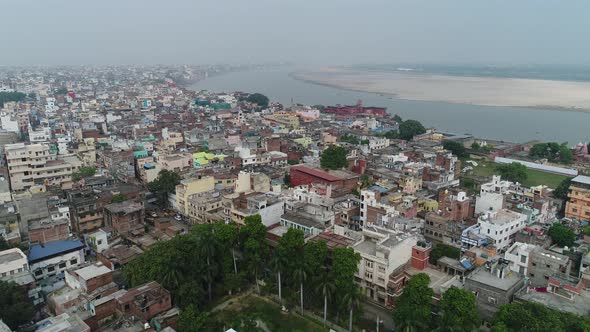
[(514, 172), (61, 91), (258, 99), (562, 189), (83, 172), (562, 235), (165, 182), (410, 128), (348, 138), (397, 118), (552, 151), (10, 96), (334, 157), (456, 148), (15, 307), (458, 311), (413, 309), (118, 198), (529, 316), (441, 250)]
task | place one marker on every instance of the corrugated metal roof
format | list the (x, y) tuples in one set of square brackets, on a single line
[(540, 167), (582, 179), (41, 251)]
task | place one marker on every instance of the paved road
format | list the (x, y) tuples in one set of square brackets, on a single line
[(371, 311)]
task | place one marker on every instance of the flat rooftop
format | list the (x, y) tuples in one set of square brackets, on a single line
[(367, 247), (11, 255), (92, 271), (580, 305), (485, 277)]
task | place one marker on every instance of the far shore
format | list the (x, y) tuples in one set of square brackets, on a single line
[(486, 91)]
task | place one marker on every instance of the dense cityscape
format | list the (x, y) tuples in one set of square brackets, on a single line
[(129, 202)]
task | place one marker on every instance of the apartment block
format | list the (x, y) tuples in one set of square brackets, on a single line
[(578, 206), (30, 165)]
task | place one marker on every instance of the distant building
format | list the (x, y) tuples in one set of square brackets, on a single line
[(578, 205)]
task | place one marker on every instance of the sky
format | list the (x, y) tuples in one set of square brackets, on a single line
[(324, 32)]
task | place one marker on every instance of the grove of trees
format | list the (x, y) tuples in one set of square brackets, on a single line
[(164, 184), (410, 128), (83, 172), (217, 259), (15, 307), (258, 99), (10, 96), (334, 157), (562, 235), (456, 148), (552, 151), (514, 172)]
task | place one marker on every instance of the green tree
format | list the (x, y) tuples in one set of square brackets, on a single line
[(11, 96), (118, 198), (258, 99), (325, 288), (392, 134), (456, 148), (397, 118), (314, 256), (83, 172), (164, 184), (334, 157), (552, 151), (253, 235), (191, 320), (32, 95), (15, 308), (278, 264), (475, 146), (348, 138), (445, 250), (414, 307), (344, 265), (563, 189), (300, 274), (287, 179), (514, 172), (61, 91), (352, 299), (562, 235), (227, 234), (527, 316), (410, 128), (319, 107), (207, 243), (458, 311), (365, 181), (3, 244)]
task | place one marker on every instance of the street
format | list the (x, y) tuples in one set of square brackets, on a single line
[(371, 311)]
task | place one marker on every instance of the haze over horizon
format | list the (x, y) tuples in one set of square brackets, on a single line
[(66, 32)]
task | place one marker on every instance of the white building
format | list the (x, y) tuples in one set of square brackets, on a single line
[(9, 123), (39, 135), (491, 195), (371, 199), (12, 262), (501, 226), (519, 255), (52, 258), (382, 252), (98, 240)]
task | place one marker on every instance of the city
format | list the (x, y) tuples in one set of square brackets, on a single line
[(294, 166), (130, 202)]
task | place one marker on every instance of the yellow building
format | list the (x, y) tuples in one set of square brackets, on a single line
[(578, 205), (305, 141), (192, 186)]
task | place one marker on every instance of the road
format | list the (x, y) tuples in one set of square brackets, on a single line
[(371, 311)]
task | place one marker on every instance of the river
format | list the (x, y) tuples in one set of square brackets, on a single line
[(511, 124)]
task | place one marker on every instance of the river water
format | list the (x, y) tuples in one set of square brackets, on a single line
[(511, 124)]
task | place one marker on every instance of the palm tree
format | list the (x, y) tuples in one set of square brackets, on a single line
[(326, 288), (277, 264), (301, 275), (352, 298), (410, 325), (208, 248), (171, 276)]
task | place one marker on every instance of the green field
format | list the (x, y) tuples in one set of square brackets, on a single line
[(269, 313), (534, 178)]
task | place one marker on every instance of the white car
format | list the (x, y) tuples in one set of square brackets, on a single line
[(154, 215), (177, 217)]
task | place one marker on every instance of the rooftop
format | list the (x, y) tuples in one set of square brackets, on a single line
[(11, 255), (580, 306), (125, 207), (582, 179), (40, 252), (92, 271), (483, 276)]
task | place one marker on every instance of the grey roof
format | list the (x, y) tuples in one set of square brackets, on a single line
[(582, 179)]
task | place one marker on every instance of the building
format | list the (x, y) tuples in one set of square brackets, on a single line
[(12, 262), (268, 206), (382, 252), (494, 285), (53, 258), (145, 301), (501, 226), (578, 205), (188, 187), (30, 165), (491, 195), (62, 323), (304, 175), (442, 229), (545, 265), (86, 210), (125, 217), (206, 207), (519, 255)]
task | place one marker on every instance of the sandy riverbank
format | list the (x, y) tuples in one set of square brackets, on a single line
[(573, 96)]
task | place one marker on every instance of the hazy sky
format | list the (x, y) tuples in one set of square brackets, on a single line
[(51, 32)]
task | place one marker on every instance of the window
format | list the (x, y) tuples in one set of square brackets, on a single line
[(51, 269), (532, 275), (127, 307), (492, 300), (522, 258), (546, 277), (74, 261), (534, 264), (62, 265), (548, 266), (38, 272)]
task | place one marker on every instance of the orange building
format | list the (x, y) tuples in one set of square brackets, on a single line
[(578, 206)]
